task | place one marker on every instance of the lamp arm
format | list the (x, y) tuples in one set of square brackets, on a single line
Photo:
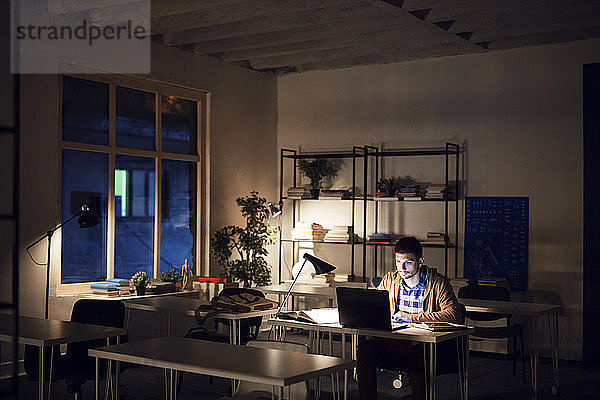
[(51, 231), (290, 290)]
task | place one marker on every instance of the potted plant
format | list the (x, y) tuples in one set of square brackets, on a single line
[(172, 276), (316, 170), (249, 243), (387, 187), (140, 281)]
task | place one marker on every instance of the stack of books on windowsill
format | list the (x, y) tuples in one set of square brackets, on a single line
[(105, 288), (158, 287)]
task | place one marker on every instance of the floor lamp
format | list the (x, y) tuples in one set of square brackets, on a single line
[(321, 267), (87, 219)]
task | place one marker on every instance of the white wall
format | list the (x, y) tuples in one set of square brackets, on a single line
[(243, 152), (519, 115)]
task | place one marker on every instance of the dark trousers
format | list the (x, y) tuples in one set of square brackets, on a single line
[(389, 354)]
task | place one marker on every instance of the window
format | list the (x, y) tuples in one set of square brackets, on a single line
[(131, 155)]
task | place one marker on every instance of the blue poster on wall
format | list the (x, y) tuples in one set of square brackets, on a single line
[(497, 239)]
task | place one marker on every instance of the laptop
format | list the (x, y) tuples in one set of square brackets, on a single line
[(365, 309)]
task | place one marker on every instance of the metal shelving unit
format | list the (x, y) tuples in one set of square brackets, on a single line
[(293, 155), (450, 150)]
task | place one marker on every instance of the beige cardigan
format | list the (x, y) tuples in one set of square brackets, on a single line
[(439, 302)]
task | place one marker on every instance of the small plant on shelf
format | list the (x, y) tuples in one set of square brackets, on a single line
[(249, 242), (387, 187), (318, 169)]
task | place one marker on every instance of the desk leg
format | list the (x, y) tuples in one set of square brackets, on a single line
[(534, 358), (345, 371), (117, 373), (280, 392), (553, 330), (461, 366), (41, 376), (96, 389), (431, 371)]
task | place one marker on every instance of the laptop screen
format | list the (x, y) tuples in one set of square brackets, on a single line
[(364, 308)]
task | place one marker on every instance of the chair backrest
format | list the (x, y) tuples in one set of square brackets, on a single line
[(248, 326), (256, 390), (376, 280), (484, 292), (95, 312)]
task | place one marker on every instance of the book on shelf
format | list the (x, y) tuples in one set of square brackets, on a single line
[(156, 287), (313, 316), (409, 198), (298, 193), (337, 194), (104, 285), (308, 231), (435, 238)]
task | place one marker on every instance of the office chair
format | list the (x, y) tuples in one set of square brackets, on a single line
[(249, 327), (254, 391), (75, 366), (513, 332)]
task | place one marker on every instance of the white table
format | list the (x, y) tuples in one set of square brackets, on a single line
[(266, 366), (431, 339), (48, 332), (536, 311)]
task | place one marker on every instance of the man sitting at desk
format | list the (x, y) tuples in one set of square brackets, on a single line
[(418, 293)]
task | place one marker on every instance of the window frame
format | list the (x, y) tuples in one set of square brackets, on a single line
[(201, 159)]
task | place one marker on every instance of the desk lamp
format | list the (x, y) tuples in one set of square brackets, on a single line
[(87, 219), (321, 267)]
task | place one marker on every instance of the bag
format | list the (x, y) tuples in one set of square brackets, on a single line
[(243, 302)]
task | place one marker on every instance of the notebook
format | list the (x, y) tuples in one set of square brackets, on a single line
[(365, 309)]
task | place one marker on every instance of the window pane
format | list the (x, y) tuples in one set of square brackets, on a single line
[(134, 216), (179, 125), (135, 121), (84, 250), (85, 111), (178, 222)]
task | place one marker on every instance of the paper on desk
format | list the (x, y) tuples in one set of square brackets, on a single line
[(323, 315)]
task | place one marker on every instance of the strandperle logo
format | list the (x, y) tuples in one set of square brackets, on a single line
[(77, 36), (85, 31)]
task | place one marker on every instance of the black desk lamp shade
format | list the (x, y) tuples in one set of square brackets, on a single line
[(321, 267), (87, 219)]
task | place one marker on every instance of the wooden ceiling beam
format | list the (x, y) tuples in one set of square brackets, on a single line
[(337, 14), (543, 38), (386, 57), (316, 32), (268, 10)]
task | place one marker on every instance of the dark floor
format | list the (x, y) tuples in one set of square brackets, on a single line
[(490, 378)]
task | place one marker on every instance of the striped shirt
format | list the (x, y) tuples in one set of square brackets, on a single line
[(410, 300)]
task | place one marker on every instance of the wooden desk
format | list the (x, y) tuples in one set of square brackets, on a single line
[(186, 306), (430, 339), (47, 332), (536, 311), (266, 366)]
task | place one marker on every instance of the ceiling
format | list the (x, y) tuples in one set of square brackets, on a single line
[(284, 36)]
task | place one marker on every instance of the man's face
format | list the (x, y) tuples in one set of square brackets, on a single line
[(407, 265)]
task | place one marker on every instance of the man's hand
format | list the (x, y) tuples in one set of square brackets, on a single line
[(401, 316)]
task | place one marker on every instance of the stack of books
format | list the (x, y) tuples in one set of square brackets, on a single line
[(339, 233), (308, 231), (382, 238), (409, 192), (435, 238), (335, 194), (298, 193), (105, 288), (435, 191), (158, 287)]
